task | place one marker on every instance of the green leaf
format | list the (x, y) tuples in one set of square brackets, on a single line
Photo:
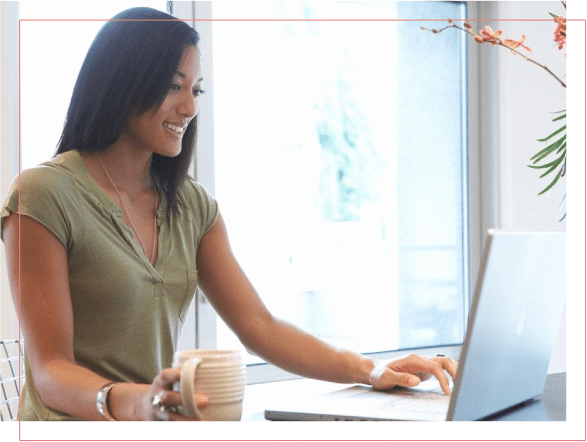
[(563, 147), (549, 149), (552, 184), (554, 133), (554, 165), (544, 166), (562, 117)]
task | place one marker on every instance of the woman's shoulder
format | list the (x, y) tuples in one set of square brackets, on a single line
[(56, 173), (199, 203), (45, 175), (48, 194), (191, 191), (43, 188)]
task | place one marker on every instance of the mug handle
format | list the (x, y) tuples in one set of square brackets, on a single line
[(186, 387)]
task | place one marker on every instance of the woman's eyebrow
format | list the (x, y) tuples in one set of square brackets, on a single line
[(182, 75)]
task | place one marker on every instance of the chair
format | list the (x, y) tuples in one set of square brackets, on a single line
[(10, 378)]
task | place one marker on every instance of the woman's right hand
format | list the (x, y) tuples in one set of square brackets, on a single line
[(169, 399)]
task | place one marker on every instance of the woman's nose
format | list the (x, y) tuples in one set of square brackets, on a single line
[(188, 106)]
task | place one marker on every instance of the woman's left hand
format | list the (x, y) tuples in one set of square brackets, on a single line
[(409, 371)]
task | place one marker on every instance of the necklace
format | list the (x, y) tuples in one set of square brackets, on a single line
[(128, 212)]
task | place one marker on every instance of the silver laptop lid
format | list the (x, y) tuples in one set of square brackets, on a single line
[(515, 313)]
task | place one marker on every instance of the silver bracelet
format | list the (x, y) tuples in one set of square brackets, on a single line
[(102, 401)]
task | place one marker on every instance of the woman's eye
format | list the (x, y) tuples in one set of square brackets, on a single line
[(174, 87), (198, 92)]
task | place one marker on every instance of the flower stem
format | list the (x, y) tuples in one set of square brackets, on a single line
[(497, 41), (537, 64)]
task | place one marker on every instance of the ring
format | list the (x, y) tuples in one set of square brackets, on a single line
[(158, 403)]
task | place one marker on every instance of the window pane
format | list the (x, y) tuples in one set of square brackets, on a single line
[(339, 167), (51, 55)]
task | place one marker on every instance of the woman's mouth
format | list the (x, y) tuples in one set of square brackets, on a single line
[(174, 128)]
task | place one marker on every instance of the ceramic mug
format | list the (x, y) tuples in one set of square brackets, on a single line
[(217, 374)]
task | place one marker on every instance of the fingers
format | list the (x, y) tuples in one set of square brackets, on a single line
[(409, 371), (167, 378), (448, 364), (430, 367), (165, 406), (404, 379), (164, 402), (384, 377), (201, 400), (201, 403)]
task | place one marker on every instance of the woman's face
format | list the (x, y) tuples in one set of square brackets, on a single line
[(161, 130)]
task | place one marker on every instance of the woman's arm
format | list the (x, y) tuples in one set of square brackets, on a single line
[(46, 319), (235, 299)]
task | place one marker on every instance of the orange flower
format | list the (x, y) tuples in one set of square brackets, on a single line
[(516, 43), (560, 33), (490, 36), (560, 20)]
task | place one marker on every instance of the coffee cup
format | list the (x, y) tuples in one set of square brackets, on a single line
[(218, 374)]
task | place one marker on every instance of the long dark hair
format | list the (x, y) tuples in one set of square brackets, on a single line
[(127, 71)]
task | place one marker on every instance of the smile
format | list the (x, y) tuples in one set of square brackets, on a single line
[(176, 129)]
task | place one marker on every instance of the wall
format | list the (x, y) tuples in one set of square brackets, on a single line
[(525, 97)]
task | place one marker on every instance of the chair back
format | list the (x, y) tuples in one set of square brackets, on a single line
[(11, 378)]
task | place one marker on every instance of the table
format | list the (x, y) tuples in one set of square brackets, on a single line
[(550, 406)]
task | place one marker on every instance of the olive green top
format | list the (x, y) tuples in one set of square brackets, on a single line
[(127, 313)]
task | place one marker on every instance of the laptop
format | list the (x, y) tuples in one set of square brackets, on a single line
[(513, 321)]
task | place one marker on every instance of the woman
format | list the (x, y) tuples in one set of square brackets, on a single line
[(114, 238)]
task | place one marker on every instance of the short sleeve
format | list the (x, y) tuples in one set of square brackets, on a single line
[(202, 205), (49, 196)]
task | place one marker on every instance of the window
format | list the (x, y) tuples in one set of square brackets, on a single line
[(340, 152)]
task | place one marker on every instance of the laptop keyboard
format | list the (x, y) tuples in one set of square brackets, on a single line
[(432, 401)]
